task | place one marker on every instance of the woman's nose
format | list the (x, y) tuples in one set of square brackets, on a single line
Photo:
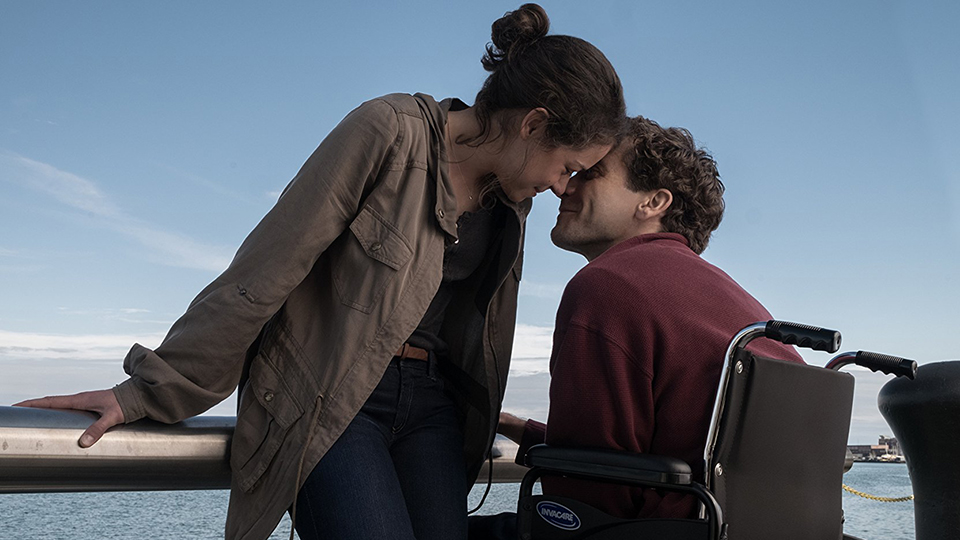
[(560, 186)]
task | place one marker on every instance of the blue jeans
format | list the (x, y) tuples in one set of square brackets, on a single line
[(397, 472)]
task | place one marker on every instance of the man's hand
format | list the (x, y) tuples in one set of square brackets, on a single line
[(511, 427), (102, 402)]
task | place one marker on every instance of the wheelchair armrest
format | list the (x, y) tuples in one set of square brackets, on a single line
[(610, 465)]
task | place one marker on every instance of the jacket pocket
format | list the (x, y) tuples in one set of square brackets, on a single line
[(370, 260), (267, 410)]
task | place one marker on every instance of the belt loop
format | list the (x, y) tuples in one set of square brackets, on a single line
[(431, 365), (403, 351)]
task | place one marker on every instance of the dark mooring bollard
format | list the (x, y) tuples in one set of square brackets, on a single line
[(925, 417)]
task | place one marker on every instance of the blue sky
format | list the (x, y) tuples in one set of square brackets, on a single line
[(140, 143)]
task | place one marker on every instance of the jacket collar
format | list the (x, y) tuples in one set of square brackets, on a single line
[(445, 210)]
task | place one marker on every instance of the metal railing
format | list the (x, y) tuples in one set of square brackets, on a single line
[(39, 453)]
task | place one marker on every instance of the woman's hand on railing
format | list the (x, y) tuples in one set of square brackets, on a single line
[(511, 427), (102, 402)]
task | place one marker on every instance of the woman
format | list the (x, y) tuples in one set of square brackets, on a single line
[(369, 317)]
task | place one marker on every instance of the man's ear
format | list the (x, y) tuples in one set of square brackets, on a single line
[(534, 123), (655, 204)]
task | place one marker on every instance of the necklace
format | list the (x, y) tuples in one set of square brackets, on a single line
[(456, 164)]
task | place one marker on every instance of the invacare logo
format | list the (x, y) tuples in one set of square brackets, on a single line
[(558, 515)]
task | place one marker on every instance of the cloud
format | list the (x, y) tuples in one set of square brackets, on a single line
[(532, 341), (35, 364), (65, 187), (22, 268), (166, 248), (18, 262), (27, 346), (531, 350), (177, 250), (127, 315), (527, 395), (105, 311), (522, 367), (548, 291), (205, 183)]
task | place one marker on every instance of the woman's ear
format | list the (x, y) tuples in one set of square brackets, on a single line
[(534, 123)]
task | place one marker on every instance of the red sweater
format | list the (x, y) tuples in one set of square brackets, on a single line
[(638, 348)]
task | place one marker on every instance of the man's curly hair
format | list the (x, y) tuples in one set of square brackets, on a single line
[(668, 158)]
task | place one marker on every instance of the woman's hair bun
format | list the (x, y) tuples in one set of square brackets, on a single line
[(514, 31)]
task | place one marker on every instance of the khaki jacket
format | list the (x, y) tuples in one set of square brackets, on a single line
[(318, 298)]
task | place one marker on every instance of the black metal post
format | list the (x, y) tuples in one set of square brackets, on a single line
[(925, 417)]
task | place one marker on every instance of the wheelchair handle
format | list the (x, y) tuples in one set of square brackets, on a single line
[(801, 335), (884, 363), (785, 332)]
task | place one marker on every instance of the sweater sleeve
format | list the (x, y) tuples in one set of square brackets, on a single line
[(599, 395), (601, 391), (199, 362)]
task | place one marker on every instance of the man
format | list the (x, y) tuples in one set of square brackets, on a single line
[(642, 329)]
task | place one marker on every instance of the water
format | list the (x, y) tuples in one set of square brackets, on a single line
[(871, 519), (175, 515)]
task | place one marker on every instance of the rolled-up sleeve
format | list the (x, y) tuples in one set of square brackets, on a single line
[(200, 360)]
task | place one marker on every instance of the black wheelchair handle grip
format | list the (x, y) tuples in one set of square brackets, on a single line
[(801, 335), (891, 365)]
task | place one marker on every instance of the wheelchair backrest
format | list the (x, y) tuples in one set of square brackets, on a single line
[(778, 464)]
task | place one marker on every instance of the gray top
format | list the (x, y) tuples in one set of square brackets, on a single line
[(475, 231)]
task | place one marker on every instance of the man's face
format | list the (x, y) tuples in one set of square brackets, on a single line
[(597, 210)]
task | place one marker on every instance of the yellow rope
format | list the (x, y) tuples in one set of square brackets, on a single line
[(875, 498)]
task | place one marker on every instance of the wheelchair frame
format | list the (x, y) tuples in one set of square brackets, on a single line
[(648, 471)]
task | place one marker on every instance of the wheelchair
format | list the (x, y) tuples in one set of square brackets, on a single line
[(773, 462)]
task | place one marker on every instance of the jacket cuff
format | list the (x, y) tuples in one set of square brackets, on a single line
[(128, 396), (534, 433)]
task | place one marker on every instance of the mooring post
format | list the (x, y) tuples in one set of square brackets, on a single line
[(925, 417)]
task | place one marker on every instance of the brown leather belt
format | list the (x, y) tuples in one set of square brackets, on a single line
[(409, 351)]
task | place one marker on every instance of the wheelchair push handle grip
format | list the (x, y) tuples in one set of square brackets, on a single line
[(891, 365), (801, 335)]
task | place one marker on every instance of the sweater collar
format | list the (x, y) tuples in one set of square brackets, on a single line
[(661, 237)]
